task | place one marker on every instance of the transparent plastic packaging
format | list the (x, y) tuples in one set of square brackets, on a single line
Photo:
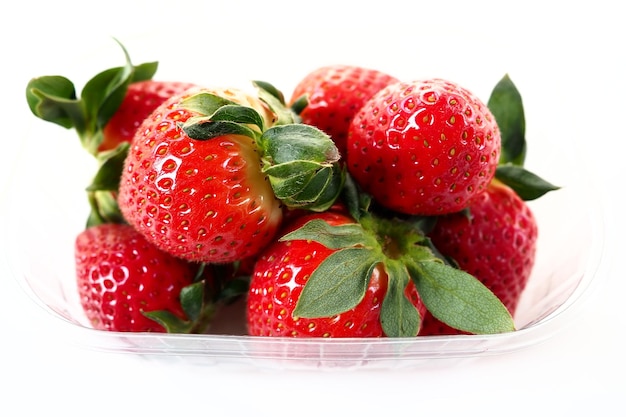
[(46, 208)]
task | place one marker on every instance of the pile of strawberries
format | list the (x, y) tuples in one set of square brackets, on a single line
[(362, 206)]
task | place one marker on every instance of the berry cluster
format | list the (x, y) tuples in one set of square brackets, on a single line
[(362, 206)]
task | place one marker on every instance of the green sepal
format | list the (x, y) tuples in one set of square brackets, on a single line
[(218, 117), (290, 178), (505, 103), (199, 302), (234, 288), (275, 99), (301, 162), (170, 322), (300, 104), (331, 192), (526, 184), (202, 128), (110, 170), (338, 284), (103, 204), (264, 88), (54, 99), (205, 103), (238, 114), (320, 191), (357, 202), (459, 299), (192, 299), (398, 316), (298, 142), (333, 237), (312, 189), (103, 208), (216, 109)]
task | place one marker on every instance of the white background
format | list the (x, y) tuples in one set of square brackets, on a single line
[(568, 55)]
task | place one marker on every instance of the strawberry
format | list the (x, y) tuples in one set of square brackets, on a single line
[(495, 241), (126, 284), (280, 275), (333, 94), (424, 147), (207, 174), (337, 275), (121, 276), (204, 201), (140, 100)]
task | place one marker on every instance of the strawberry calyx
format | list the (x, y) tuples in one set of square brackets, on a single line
[(300, 161), (215, 285), (505, 103), (54, 98), (339, 283), (102, 191)]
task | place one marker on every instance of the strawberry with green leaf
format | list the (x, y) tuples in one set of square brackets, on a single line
[(108, 110), (126, 284), (208, 175), (495, 238), (334, 275), (293, 293)]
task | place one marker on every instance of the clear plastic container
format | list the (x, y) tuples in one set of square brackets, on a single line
[(46, 207)]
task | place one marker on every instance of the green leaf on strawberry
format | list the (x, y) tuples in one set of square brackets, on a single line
[(218, 109), (214, 287), (350, 269), (505, 103), (54, 99), (300, 161), (111, 164), (526, 184), (104, 185), (398, 315), (275, 99), (104, 208), (459, 299), (453, 296)]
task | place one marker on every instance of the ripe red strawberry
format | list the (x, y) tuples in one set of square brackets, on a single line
[(280, 275), (424, 147), (495, 241), (120, 276), (204, 201), (208, 172), (334, 94), (141, 99)]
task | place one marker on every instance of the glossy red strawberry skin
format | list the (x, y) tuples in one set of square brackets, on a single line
[(279, 276), (203, 201), (335, 94), (120, 275), (141, 99), (497, 244), (424, 147)]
